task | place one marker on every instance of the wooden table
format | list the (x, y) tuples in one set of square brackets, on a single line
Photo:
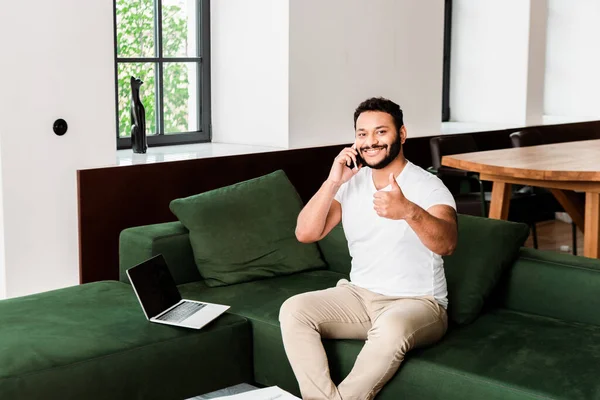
[(562, 167)]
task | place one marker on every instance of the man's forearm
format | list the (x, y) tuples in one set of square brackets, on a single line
[(313, 216), (437, 235)]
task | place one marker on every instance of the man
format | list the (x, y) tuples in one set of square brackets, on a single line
[(399, 220)]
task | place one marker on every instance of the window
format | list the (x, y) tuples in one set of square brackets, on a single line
[(446, 70), (166, 44)]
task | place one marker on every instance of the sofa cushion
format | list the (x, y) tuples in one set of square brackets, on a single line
[(246, 231), (485, 249), (260, 301), (502, 355), (505, 355), (93, 341)]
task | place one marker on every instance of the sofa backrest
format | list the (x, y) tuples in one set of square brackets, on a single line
[(554, 285)]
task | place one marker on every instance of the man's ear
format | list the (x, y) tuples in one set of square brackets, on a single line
[(403, 134)]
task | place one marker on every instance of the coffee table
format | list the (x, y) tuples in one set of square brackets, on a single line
[(241, 388)]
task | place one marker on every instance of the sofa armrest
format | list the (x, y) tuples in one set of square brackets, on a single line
[(169, 239)]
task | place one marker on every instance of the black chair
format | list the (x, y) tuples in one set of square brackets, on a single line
[(533, 137), (465, 186), (469, 191)]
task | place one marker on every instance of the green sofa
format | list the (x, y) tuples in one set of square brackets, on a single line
[(538, 336), (92, 342), (525, 324)]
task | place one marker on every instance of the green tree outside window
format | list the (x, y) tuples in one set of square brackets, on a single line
[(135, 34)]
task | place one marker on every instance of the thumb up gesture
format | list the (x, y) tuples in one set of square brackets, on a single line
[(393, 204)]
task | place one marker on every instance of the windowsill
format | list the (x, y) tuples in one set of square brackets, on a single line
[(558, 119), (207, 150), (452, 127), (188, 152)]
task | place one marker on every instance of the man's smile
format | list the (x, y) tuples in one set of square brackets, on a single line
[(373, 151)]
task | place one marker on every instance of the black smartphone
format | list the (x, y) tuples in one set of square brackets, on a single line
[(359, 160)]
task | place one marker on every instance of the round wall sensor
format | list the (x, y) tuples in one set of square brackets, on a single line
[(60, 127)]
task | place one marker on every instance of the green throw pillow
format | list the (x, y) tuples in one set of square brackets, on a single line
[(334, 248), (246, 231), (486, 248)]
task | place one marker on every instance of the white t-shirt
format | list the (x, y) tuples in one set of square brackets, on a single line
[(387, 255)]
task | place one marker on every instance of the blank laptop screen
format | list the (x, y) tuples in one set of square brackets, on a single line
[(154, 285)]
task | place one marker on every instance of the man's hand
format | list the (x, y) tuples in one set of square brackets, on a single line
[(323, 212), (344, 166), (393, 204), (435, 227)]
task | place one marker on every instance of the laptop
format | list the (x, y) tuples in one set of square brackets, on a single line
[(161, 301)]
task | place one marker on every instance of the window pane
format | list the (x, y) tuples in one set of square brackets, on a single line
[(146, 72), (180, 28), (135, 28), (180, 97)]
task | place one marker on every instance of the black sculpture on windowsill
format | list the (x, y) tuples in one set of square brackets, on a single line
[(139, 144)]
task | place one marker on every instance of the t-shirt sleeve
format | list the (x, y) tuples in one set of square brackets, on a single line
[(341, 193), (438, 195)]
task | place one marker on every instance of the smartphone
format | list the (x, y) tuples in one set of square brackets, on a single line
[(359, 159)]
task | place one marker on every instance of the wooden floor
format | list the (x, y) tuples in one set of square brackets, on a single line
[(556, 235)]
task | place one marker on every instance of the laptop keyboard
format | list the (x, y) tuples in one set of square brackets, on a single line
[(181, 312)]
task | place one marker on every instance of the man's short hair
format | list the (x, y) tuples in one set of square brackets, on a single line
[(383, 105)]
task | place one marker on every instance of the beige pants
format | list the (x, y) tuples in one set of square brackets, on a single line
[(390, 325)]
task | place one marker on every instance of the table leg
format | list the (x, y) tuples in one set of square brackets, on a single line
[(572, 205), (591, 235), (500, 200)]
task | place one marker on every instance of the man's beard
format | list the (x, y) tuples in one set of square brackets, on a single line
[(395, 148)]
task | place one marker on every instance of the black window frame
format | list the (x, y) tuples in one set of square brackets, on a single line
[(446, 62), (204, 134)]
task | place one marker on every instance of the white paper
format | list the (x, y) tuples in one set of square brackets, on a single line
[(269, 393)]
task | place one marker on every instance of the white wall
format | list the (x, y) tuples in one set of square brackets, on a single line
[(573, 59), (289, 73), (344, 51), (536, 62), (525, 62), (2, 247), (489, 60), (59, 64), (249, 67)]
